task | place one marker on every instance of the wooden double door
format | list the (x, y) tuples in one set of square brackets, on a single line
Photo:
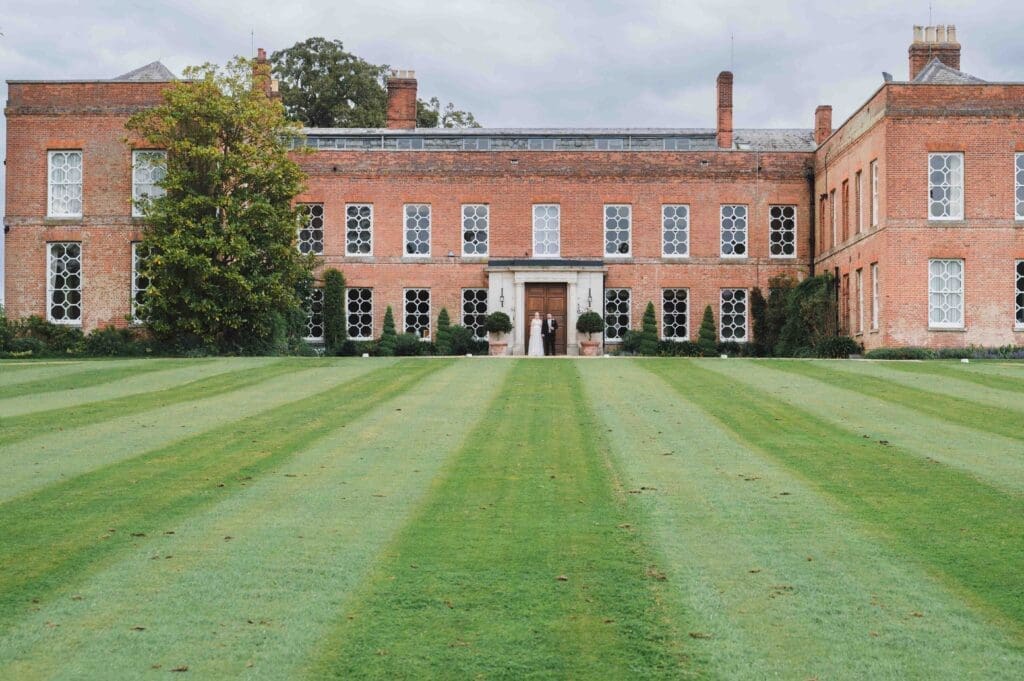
[(547, 299)]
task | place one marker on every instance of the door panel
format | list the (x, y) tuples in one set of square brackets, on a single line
[(547, 299)]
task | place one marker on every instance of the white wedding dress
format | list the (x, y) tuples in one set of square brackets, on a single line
[(536, 348)]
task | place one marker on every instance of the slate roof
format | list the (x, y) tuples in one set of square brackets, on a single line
[(938, 73), (152, 72)]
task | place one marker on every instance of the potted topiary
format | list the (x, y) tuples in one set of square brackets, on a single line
[(590, 323), (497, 325)]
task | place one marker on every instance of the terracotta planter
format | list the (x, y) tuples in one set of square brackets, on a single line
[(589, 348), (498, 348)]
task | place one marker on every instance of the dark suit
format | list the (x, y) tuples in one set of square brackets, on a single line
[(547, 332)]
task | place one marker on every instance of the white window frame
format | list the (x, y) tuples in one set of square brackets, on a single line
[(405, 233), (686, 243), (875, 297), (689, 315), (558, 218), (629, 312), (859, 283), (135, 278), (372, 230), (463, 314), (49, 283), (796, 236), (746, 231), (963, 298), (309, 315), (629, 229), (721, 316), (373, 311), (306, 207), (486, 229), (874, 194), (430, 311), (1018, 186), (137, 212), (832, 210), (959, 214), (49, 183), (1018, 290), (859, 190)]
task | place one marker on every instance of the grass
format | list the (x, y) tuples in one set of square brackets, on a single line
[(346, 518)]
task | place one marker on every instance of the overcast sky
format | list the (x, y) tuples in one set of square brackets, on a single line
[(533, 63)]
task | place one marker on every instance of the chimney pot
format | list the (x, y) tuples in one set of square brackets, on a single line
[(929, 34), (723, 89), (822, 123), (940, 35), (940, 43), (951, 33), (401, 86), (919, 34), (261, 54)]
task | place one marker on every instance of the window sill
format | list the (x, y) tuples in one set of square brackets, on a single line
[(675, 257), (947, 222), (946, 329), (66, 220)]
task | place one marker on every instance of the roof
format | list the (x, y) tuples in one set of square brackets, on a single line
[(938, 73), (152, 72), (638, 139)]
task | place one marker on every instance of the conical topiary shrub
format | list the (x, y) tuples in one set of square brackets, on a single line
[(388, 337), (706, 337)]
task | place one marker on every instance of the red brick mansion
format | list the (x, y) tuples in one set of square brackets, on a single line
[(915, 203)]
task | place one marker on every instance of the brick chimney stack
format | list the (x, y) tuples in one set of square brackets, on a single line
[(261, 74), (934, 42), (822, 123), (402, 100), (723, 88)]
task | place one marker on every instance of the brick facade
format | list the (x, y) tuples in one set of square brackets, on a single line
[(582, 172)]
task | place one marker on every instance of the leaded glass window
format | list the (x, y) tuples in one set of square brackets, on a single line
[(139, 282), (546, 229), (540, 144), (359, 229), (874, 193), (315, 315), (675, 230), (1019, 300), (734, 315), (311, 228), (675, 313), (616, 313), (874, 296), (610, 144), (64, 283), (475, 226), (65, 184), (417, 229), (410, 143), (359, 305), (1019, 185), (945, 186), (946, 294), (474, 310), (617, 226), (476, 143), (149, 168), (417, 311), (782, 231), (734, 231)]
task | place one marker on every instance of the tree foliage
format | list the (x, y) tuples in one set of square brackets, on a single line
[(810, 316), (590, 322), (219, 246), (706, 337), (335, 322), (324, 86)]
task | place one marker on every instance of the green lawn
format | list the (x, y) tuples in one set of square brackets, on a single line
[(476, 518)]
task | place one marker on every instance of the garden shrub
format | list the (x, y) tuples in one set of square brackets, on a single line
[(648, 332), (335, 312), (630, 342), (461, 340), (443, 339), (388, 337), (5, 331), (837, 347), (113, 342), (759, 321), (590, 323), (900, 353), (668, 348), (810, 316), (27, 347), (498, 323), (409, 345), (706, 337)]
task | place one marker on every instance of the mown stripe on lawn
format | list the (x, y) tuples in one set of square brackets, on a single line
[(229, 377), (301, 540), (943, 405), (996, 460), (107, 372), (22, 372), (1005, 381), (472, 586), (781, 581), (126, 387), (54, 455), (966, 531), (52, 538)]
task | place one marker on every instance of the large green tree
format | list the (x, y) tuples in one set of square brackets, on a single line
[(324, 86), (220, 244)]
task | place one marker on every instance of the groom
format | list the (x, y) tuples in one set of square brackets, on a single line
[(547, 332)]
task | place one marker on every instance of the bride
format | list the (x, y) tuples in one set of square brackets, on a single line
[(536, 348)]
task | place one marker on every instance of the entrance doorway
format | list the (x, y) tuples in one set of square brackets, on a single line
[(547, 299)]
